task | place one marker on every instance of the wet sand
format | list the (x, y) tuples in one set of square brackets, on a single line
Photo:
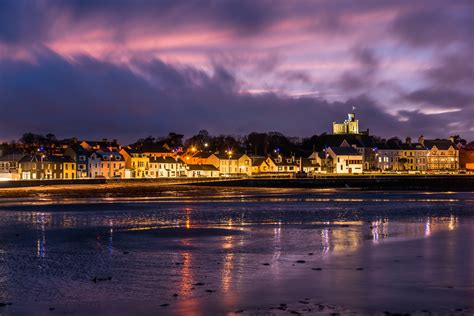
[(266, 253)]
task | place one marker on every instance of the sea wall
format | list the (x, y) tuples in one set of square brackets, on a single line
[(432, 183), (392, 182)]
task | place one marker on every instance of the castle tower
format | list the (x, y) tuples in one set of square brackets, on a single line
[(349, 126)]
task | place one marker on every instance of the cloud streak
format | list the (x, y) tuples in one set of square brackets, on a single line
[(136, 68)]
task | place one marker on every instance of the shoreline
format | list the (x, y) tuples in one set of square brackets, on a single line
[(156, 187)]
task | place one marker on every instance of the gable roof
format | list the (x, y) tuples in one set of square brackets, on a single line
[(442, 144), (202, 167), (305, 162), (345, 151), (202, 154), (165, 160), (12, 157), (258, 161), (235, 156)]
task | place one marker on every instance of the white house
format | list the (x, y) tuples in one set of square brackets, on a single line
[(202, 171), (166, 167), (345, 160)]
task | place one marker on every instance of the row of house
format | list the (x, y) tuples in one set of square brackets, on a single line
[(91, 160), (425, 155), (346, 151)]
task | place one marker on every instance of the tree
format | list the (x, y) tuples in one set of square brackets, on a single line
[(50, 138), (30, 139), (173, 140), (200, 140)]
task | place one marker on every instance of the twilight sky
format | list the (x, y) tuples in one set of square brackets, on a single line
[(129, 69)]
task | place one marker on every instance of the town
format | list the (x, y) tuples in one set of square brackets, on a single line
[(347, 150)]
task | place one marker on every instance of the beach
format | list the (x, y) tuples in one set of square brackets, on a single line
[(243, 251)]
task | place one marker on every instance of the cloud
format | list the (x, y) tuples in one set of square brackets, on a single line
[(363, 77), (434, 23), (92, 98), (142, 67)]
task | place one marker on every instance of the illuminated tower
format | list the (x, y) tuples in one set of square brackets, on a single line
[(350, 125)]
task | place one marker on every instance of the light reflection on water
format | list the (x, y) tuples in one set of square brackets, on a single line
[(158, 249)]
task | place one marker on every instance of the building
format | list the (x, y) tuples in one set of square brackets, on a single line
[(80, 156), (44, 167), (442, 154), (287, 165), (235, 164), (310, 166), (202, 171), (106, 164), (92, 145), (156, 150), (166, 167), (466, 157), (344, 160), (9, 166), (136, 163), (201, 158), (68, 166), (349, 126), (413, 157), (387, 157)]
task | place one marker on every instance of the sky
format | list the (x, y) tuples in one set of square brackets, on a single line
[(129, 69)]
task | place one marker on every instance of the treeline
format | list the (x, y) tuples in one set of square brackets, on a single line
[(254, 143)]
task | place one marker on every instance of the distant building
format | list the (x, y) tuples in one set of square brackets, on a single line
[(202, 171), (466, 158), (234, 164), (43, 167), (286, 164), (349, 126), (136, 162), (9, 166), (344, 160), (156, 150), (442, 154), (68, 166), (92, 145), (166, 167), (310, 165), (80, 156), (106, 164)]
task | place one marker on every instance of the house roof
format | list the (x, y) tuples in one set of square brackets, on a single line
[(345, 151), (12, 157), (442, 144), (335, 140), (165, 160), (101, 144), (46, 159), (201, 154), (234, 156), (258, 161), (108, 153), (305, 162), (202, 167), (155, 148)]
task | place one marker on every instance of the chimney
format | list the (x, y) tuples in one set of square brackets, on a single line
[(408, 141), (421, 140)]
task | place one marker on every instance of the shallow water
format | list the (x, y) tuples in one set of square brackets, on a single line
[(396, 251)]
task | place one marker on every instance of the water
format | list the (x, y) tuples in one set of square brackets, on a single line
[(317, 251)]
